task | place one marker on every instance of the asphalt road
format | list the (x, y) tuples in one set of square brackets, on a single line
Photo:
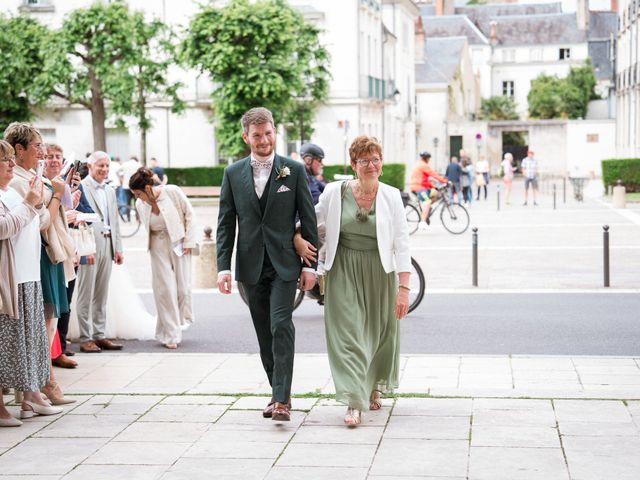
[(460, 323)]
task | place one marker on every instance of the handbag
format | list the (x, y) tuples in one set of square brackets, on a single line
[(84, 240), (480, 180)]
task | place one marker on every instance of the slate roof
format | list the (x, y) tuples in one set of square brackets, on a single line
[(482, 15), (452, 26), (442, 59), (602, 25), (542, 29)]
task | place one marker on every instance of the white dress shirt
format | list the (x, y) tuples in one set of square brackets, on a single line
[(102, 201), (261, 175)]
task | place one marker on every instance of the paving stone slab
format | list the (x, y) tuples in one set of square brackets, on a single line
[(542, 418), (225, 469), (429, 427), (338, 435), (138, 453), (327, 455), (267, 432), (590, 467), (334, 415), (591, 411), (607, 446), (500, 463), (515, 436), (449, 407), (198, 400), (87, 426), (163, 432), (13, 436), (117, 405), (239, 448), (446, 458), (317, 473), (599, 429), (112, 472), (184, 413), (41, 456)]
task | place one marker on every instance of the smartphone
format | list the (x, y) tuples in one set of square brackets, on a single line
[(65, 167), (40, 168)]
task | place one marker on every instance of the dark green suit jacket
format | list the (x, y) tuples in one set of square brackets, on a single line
[(289, 200)]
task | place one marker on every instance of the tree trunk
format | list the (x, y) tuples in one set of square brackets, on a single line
[(143, 146), (98, 114)]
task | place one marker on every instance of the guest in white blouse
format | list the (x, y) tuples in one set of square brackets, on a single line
[(167, 215)]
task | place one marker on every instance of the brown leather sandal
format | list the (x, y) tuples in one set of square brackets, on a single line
[(375, 403)]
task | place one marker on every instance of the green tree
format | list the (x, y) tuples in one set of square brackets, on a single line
[(553, 97), (86, 63), (21, 61), (154, 51), (498, 108), (261, 53)]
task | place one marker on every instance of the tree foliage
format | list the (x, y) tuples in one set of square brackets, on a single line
[(154, 51), (257, 54), (21, 61), (111, 61), (498, 108), (553, 97)]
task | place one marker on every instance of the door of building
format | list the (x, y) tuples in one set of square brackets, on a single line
[(455, 144)]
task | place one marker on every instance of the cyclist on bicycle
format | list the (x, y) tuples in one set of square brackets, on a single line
[(421, 185)]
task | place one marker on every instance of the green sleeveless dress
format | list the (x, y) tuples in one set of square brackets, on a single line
[(363, 336)]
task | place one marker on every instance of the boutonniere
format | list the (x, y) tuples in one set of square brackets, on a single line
[(283, 172)]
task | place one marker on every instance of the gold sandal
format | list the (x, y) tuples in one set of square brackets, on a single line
[(375, 403), (353, 417)]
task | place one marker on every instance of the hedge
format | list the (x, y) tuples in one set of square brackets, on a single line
[(625, 169), (393, 174)]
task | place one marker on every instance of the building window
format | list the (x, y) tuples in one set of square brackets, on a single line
[(535, 54), (508, 88), (564, 54)]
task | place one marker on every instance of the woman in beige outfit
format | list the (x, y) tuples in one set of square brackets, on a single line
[(167, 215)]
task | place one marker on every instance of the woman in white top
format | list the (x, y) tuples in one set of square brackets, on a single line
[(24, 351), (482, 176), (167, 215), (507, 175)]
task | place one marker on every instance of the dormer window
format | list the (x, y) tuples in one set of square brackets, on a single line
[(564, 54)]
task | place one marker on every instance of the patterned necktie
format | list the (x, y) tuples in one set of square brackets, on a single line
[(256, 164)]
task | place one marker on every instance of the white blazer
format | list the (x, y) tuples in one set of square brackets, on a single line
[(391, 226)]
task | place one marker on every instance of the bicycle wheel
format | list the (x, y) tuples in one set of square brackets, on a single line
[(417, 285), (413, 218), (296, 301), (454, 217), (130, 222)]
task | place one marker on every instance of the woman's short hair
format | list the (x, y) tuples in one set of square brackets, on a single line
[(55, 147), (6, 150), (364, 145), (141, 178), (508, 156), (21, 133), (256, 116)]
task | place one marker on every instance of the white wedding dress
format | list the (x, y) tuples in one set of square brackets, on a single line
[(127, 317)]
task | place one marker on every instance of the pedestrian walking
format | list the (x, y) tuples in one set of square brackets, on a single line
[(453, 174), (265, 194), (482, 176), (507, 175), (530, 173)]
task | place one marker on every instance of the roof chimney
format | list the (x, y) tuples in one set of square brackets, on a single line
[(493, 33), (419, 41), (444, 7), (582, 14)]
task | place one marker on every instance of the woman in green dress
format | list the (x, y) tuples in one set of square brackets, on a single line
[(367, 268)]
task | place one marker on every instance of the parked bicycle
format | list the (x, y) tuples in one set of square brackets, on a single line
[(454, 217), (129, 220), (417, 285)]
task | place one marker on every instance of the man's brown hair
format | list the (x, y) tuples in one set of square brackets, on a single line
[(256, 116), (21, 133), (364, 145), (55, 147)]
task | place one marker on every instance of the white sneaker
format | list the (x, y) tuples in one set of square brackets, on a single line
[(423, 226)]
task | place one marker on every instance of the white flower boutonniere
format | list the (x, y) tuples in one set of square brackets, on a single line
[(283, 172)]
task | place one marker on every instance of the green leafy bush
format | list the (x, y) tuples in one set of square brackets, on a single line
[(196, 176), (625, 169), (392, 173)]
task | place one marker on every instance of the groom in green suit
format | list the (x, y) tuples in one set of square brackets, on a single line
[(266, 194)]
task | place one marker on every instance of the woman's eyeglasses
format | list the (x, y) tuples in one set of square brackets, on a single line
[(363, 162), (9, 159)]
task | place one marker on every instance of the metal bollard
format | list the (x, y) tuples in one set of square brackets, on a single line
[(605, 242), (474, 243), (564, 189), (498, 197), (206, 264), (554, 196)]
